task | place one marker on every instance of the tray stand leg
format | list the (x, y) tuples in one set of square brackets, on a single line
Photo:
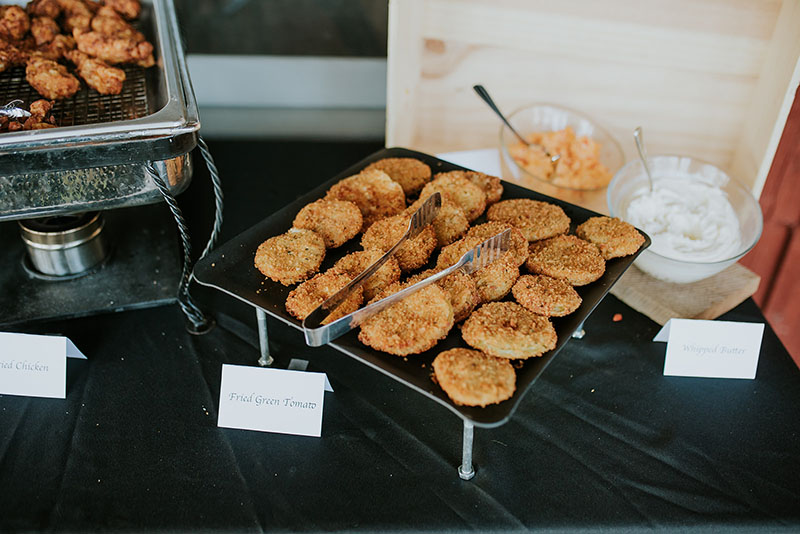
[(465, 470), (579, 332), (263, 339)]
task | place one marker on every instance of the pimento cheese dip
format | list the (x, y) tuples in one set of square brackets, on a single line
[(578, 168)]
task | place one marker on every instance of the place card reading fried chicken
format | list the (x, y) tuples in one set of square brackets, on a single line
[(35, 366)]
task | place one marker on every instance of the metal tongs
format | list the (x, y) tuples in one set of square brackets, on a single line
[(14, 110), (317, 333)]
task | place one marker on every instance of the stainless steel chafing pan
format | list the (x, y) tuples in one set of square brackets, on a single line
[(95, 159)]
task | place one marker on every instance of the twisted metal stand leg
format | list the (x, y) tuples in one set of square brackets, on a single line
[(466, 471), (263, 339), (199, 322)]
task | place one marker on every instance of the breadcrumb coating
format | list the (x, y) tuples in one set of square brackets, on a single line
[(410, 173), (357, 262), (412, 254), (468, 196), (613, 236), (375, 194), (546, 296), (461, 290), (305, 298), (472, 378), (568, 258), (536, 219), (337, 221), (449, 225), (291, 257), (412, 325), (507, 330)]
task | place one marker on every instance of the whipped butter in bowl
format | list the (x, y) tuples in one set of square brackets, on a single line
[(700, 221)]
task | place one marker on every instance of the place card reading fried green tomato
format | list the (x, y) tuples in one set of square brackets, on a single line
[(35, 366), (271, 400), (711, 349)]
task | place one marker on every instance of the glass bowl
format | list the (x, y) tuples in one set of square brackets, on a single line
[(547, 118), (631, 179)]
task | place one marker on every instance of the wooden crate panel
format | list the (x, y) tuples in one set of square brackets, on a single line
[(706, 78)]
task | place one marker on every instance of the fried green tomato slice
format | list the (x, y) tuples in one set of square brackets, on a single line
[(305, 298), (613, 236), (291, 257), (568, 258), (518, 248), (546, 296), (412, 325), (449, 225), (537, 220), (490, 185), (495, 280), (337, 221), (507, 330), (461, 290), (410, 173), (412, 254), (468, 196), (472, 378), (373, 191), (357, 262)]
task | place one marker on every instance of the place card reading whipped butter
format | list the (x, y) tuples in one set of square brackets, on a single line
[(271, 400), (711, 349), (35, 366)]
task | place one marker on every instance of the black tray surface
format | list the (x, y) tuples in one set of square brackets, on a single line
[(230, 268)]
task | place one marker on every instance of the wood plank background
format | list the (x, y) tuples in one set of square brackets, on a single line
[(776, 257)]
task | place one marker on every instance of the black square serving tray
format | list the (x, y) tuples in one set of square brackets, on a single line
[(230, 269)]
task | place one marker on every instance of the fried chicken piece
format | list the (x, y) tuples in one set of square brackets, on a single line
[(41, 108), (39, 119), (50, 79), (129, 9), (11, 56), (44, 30), (59, 46), (109, 22), (44, 8), (115, 49), (56, 49), (14, 23), (32, 124), (77, 14), (97, 74)]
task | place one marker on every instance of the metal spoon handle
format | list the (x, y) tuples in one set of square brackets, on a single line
[(484, 94), (637, 136)]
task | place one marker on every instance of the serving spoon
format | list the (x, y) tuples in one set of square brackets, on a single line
[(484, 94), (637, 136)]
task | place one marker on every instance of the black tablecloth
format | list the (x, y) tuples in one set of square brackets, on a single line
[(602, 440)]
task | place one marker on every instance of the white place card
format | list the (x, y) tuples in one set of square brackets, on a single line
[(35, 366), (271, 400), (296, 364), (711, 349)]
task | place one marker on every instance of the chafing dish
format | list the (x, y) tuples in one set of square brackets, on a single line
[(96, 159)]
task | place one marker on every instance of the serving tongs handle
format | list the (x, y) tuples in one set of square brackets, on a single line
[(318, 334)]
